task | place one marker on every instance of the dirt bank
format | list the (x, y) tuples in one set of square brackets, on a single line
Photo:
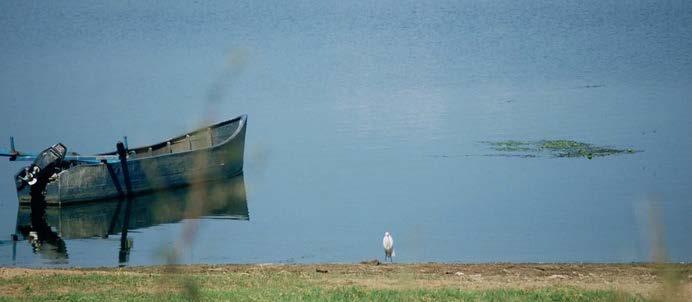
[(647, 280)]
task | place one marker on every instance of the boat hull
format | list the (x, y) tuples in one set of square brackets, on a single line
[(163, 168)]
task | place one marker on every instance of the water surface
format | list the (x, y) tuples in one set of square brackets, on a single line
[(370, 117)]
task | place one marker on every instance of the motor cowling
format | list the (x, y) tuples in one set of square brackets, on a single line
[(45, 164)]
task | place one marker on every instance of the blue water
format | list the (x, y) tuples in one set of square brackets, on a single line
[(368, 117)]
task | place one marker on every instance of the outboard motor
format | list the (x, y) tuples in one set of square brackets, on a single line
[(45, 164)]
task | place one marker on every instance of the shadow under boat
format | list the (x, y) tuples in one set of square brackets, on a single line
[(46, 227)]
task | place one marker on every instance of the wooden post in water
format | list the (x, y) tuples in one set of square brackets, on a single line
[(125, 245), (14, 248), (122, 155), (13, 151)]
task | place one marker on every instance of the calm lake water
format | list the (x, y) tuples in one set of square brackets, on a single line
[(370, 117)]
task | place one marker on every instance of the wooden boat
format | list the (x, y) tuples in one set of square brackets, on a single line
[(209, 153)]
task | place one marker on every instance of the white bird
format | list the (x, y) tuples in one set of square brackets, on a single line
[(388, 244)]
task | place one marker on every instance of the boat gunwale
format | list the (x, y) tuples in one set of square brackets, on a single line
[(242, 122)]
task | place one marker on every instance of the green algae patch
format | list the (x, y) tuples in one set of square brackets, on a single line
[(511, 146), (553, 148)]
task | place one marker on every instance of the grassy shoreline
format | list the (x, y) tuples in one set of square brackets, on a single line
[(354, 282)]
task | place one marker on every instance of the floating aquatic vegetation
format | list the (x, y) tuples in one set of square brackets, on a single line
[(553, 148), (511, 146)]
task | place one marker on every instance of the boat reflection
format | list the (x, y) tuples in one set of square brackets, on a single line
[(46, 228)]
